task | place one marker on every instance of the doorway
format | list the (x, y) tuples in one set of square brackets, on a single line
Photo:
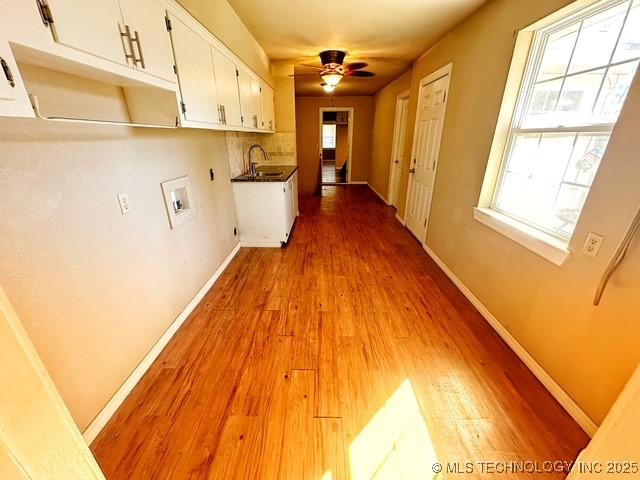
[(397, 149), (432, 103), (336, 134)]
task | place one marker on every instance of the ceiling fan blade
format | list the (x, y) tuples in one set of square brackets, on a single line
[(355, 66), (311, 66), (359, 73)]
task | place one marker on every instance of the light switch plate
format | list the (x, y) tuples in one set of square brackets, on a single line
[(592, 245), (125, 206)]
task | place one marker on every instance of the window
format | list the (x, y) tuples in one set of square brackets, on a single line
[(328, 136), (577, 78)]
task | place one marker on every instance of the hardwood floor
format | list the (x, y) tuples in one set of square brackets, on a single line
[(347, 354)]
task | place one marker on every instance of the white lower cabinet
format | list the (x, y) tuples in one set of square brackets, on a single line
[(266, 211)]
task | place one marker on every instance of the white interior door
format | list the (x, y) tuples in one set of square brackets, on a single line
[(426, 146), (93, 27), (195, 74), (400, 130), (152, 48), (38, 438)]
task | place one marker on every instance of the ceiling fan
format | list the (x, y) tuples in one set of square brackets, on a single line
[(333, 69)]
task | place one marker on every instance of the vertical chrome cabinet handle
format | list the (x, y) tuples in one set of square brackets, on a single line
[(7, 72), (126, 35), (136, 39), (220, 113), (224, 115)]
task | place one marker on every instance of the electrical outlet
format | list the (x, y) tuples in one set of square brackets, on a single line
[(125, 206), (592, 245)]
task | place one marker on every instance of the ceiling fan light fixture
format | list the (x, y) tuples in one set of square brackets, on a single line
[(331, 78), (328, 88)]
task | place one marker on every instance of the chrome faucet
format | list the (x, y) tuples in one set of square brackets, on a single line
[(253, 165)]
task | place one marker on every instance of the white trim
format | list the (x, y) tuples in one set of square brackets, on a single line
[(572, 408), (260, 243), (400, 219), (386, 202), (98, 423), (547, 246), (351, 111)]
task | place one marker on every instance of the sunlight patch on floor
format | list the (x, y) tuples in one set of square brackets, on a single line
[(395, 444)]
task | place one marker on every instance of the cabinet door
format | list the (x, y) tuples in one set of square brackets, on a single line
[(294, 193), (93, 27), (268, 113), (256, 94), (152, 45), (228, 93), (195, 73), (246, 100), (14, 101), (289, 214)]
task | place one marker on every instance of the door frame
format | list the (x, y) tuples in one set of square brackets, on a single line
[(432, 77), (349, 134), (406, 95)]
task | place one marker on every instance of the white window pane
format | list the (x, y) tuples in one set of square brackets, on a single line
[(578, 97), (629, 43), (530, 190), (328, 136), (598, 38), (614, 92), (568, 206), (585, 159), (557, 52), (541, 110)]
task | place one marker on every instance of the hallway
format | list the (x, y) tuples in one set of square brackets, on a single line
[(346, 353)]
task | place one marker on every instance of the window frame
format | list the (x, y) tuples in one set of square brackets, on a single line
[(526, 88), (334, 137)]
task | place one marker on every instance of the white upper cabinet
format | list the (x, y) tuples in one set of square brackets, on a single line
[(151, 46), (246, 99), (196, 77), (91, 26), (268, 109), (14, 101), (256, 96), (228, 92)]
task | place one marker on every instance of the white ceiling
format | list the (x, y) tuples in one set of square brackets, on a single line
[(387, 34)]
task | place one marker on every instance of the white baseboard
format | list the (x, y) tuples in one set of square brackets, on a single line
[(550, 384), (260, 244), (378, 194), (98, 423), (400, 219)]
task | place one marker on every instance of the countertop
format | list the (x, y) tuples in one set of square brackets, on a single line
[(287, 171)]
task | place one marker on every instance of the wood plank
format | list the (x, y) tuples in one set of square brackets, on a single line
[(350, 313)]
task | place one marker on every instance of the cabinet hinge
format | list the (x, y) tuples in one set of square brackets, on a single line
[(425, 222), (167, 22), (444, 99), (175, 69), (237, 73), (183, 107), (45, 12), (241, 119)]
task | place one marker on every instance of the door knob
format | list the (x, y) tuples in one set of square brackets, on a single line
[(412, 170)]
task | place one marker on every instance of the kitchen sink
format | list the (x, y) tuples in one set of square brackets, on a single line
[(268, 174)]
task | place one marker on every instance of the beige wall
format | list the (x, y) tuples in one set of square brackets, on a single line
[(383, 124), (342, 145), (96, 289), (222, 20), (308, 129), (590, 351)]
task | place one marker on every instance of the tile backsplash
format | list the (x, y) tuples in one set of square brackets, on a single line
[(281, 148)]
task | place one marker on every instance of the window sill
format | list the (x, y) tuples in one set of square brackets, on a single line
[(543, 244)]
